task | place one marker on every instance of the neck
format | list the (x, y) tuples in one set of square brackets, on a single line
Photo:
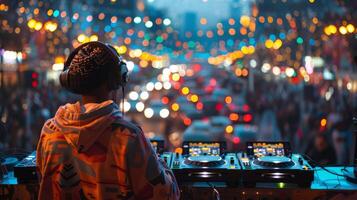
[(94, 99)]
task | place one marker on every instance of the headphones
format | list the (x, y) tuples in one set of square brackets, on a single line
[(117, 72)]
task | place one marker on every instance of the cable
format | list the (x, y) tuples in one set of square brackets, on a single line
[(344, 170), (215, 191), (322, 167), (122, 108)]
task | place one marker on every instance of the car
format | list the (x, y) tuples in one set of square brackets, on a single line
[(242, 133), (199, 130)]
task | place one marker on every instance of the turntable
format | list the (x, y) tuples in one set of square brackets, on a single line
[(273, 162), (205, 161)]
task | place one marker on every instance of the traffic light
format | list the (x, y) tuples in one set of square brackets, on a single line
[(31, 79), (34, 79)]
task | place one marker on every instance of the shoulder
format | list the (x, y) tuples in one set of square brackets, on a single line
[(127, 135), (50, 131), (49, 127), (126, 127)]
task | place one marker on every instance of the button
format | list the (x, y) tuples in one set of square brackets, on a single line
[(232, 161), (301, 161)]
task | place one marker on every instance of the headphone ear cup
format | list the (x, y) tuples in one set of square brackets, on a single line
[(124, 74), (63, 78)]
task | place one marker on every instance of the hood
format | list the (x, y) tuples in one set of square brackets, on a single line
[(82, 125)]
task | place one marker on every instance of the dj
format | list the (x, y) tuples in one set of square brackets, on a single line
[(87, 151)]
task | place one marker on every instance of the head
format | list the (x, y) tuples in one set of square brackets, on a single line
[(321, 142), (94, 70)]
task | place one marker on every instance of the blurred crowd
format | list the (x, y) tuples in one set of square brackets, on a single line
[(23, 112), (299, 114), (314, 126)]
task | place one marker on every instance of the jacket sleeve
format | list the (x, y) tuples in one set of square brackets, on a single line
[(149, 176), (45, 181), (39, 161)]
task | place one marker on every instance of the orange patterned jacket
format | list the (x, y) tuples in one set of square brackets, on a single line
[(90, 152)]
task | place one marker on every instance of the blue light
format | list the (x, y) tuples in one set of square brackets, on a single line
[(136, 69), (312, 42), (114, 24), (282, 36), (252, 41), (272, 37), (56, 13), (241, 44), (107, 28), (230, 42)]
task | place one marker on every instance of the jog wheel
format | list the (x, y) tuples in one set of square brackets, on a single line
[(204, 161), (274, 161)]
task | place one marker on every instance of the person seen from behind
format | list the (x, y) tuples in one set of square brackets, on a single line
[(87, 150)]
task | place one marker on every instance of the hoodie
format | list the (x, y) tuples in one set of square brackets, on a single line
[(90, 152)]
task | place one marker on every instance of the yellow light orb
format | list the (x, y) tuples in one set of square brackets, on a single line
[(229, 129), (175, 106), (194, 98), (175, 77), (81, 38), (277, 44), (50, 26), (122, 49), (245, 50), (333, 29), (31, 23), (251, 49), (38, 26), (245, 20), (185, 90), (269, 44), (350, 28), (327, 30), (343, 30), (93, 38)]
